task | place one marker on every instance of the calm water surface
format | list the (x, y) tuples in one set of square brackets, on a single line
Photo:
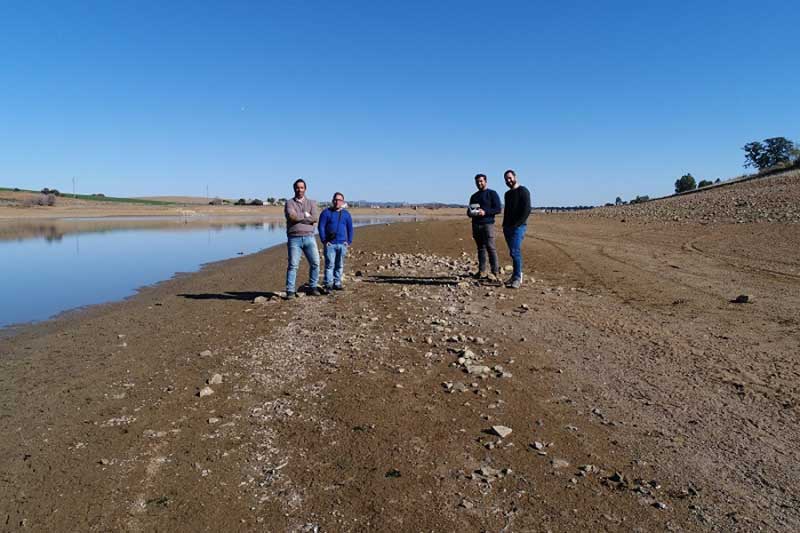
[(50, 267)]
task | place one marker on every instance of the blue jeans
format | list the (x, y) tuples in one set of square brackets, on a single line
[(334, 264), (514, 238), (308, 246)]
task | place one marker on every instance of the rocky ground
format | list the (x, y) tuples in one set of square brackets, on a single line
[(769, 199), (620, 389)]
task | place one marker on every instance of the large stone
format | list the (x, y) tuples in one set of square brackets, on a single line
[(478, 369), (502, 431)]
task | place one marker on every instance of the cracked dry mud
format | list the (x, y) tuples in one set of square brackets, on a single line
[(639, 397)]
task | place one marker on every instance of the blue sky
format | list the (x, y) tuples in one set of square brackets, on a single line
[(390, 101)]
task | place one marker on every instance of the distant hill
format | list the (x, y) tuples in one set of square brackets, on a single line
[(397, 205), (757, 198), (194, 200)]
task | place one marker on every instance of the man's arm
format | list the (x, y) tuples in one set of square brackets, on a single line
[(349, 230), (314, 213), (495, 207), (323, 223), (526, 203), (290, 211)]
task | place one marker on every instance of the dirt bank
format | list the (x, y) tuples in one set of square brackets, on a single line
[(16, 206), (639, 396)]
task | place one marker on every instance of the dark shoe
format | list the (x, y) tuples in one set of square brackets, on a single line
[(290, 296), (325, 289), (514, 283), (338, 288), (314, 292)]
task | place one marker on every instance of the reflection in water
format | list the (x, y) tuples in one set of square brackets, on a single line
[(54, 230), (50, 266)]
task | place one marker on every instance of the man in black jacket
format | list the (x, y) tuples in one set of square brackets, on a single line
[(483, 206), (515, 222)]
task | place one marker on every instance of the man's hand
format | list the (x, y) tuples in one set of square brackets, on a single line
[(481, 213)]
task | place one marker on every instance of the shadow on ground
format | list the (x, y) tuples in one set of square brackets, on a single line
[(243, 296)]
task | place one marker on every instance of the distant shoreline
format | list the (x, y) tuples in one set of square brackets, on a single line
[(65, 208)]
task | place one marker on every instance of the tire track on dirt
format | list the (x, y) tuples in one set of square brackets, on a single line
[(691, 246)]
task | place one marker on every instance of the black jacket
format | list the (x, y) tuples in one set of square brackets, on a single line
[(518, 207), (489, 202)]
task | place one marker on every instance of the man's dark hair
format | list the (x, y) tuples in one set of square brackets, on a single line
[(480, 176), (337, 194), (299, 180), (509, 171)]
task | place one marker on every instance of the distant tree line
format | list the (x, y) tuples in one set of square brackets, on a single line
[(770, 155), (558, 209), (255, 201)]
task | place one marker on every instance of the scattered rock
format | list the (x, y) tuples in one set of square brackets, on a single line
[(502, 431), (741, 299), (216, 379), (205, 353), (478, 369), (205, 391), (559, 463), (466, 504)]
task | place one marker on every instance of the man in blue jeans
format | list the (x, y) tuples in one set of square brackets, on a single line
[(336, 234), (515, 222), (301, 215)]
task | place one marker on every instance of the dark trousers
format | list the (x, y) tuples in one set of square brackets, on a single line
[(484, 239)]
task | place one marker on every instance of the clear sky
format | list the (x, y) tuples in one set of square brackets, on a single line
[(391, 100)]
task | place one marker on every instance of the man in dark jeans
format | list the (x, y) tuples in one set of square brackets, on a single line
[(515, 222), (483, 206)]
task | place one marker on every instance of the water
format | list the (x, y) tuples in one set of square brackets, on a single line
[(49, 267)]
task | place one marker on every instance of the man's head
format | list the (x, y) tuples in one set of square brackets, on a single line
[(338, 200), (480, 181), (299, 187), (510, 178)]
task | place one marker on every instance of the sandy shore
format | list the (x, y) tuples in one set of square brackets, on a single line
[(639, 396)]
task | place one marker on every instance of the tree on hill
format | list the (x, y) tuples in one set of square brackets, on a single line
[(769, 153), (271, 200), (241, 201), (685, 183), (618, 201), (256, 201), (704, 183)]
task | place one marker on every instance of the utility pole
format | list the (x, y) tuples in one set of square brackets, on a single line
[(206, 193), (73, 187)]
